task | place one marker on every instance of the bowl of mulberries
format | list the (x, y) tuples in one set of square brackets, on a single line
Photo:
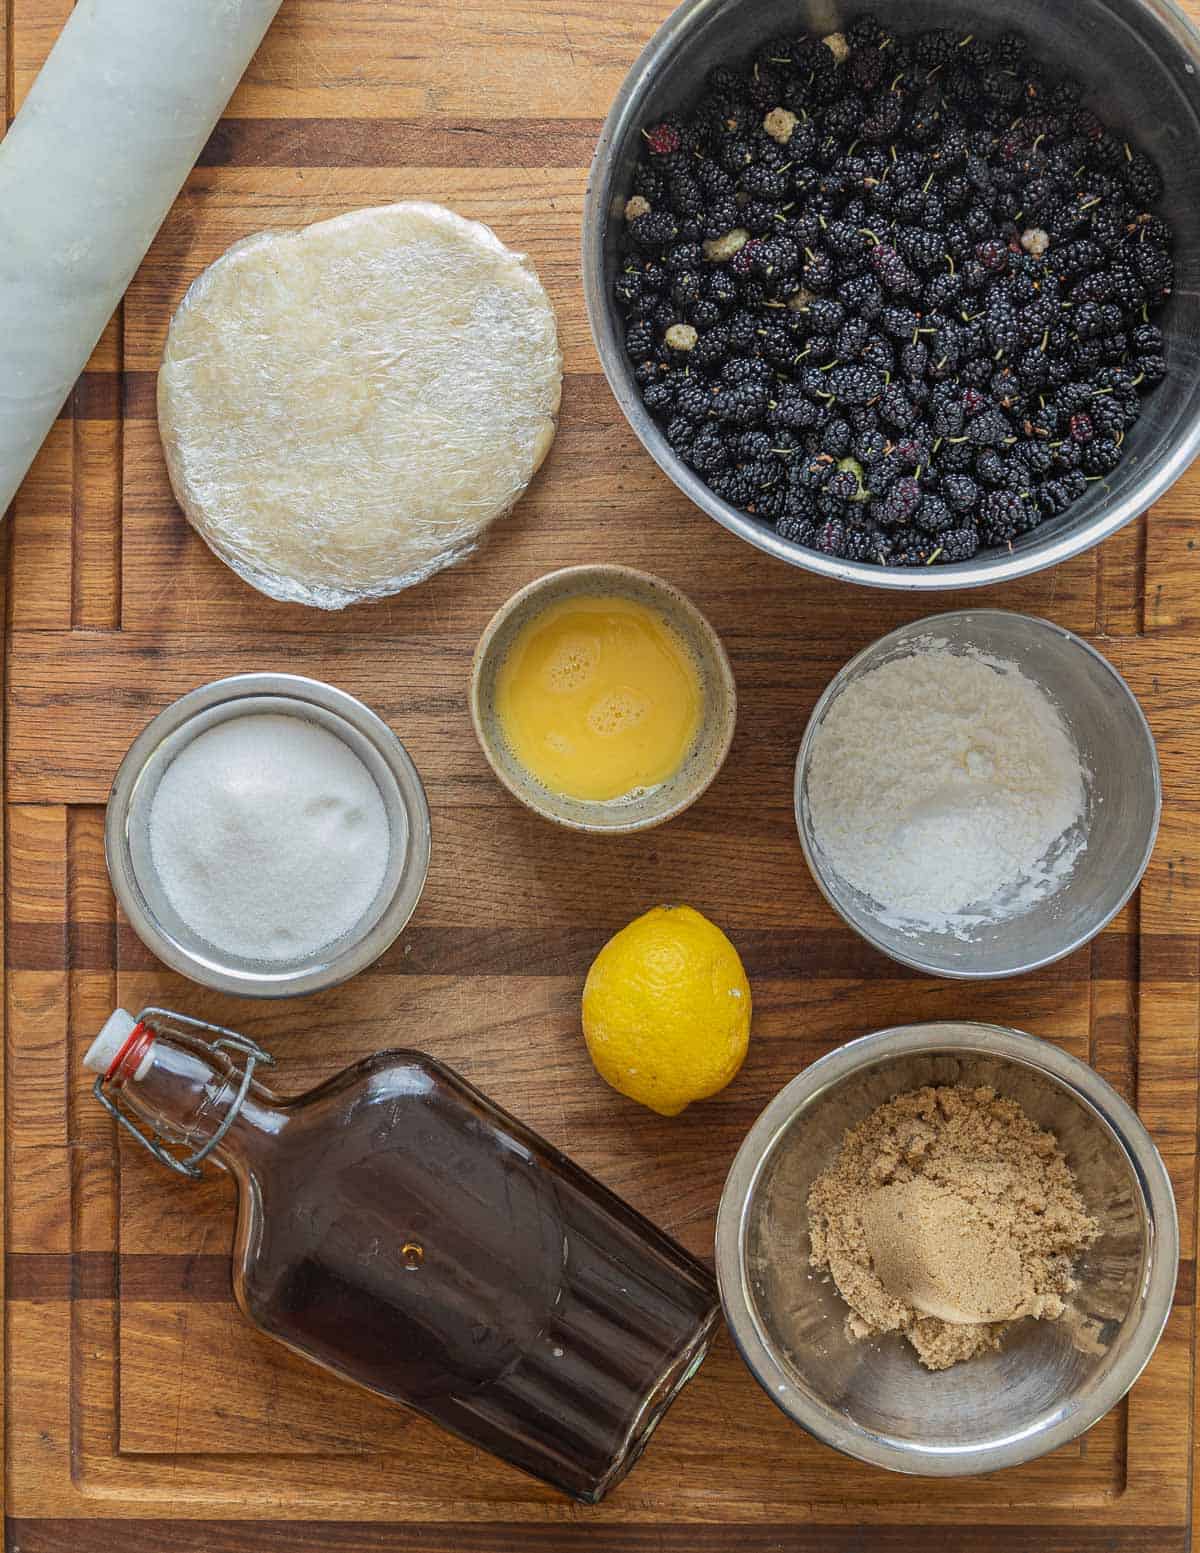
[(908, 299)]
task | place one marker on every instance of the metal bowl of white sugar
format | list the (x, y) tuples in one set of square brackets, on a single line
[(977, 793), (267, 835)]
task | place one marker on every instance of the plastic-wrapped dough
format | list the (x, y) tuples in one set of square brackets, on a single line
[(346, 407)]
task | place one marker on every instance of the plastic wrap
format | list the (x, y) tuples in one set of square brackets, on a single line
[(104, 140), (346, 407)]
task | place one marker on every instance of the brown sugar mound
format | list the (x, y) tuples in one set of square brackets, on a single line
[(971, 1211)]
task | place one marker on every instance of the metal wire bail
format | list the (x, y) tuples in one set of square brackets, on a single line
[(225, 1040)]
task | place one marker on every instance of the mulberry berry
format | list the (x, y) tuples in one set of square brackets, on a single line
[(894, 274), (989, 429), (959, 544), (855, 384), (900, 503), (1002, 516), (933, 515), (664, 139), (960, 492), (655, 229)]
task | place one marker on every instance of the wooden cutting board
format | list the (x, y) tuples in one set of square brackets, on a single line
[(142, 1412)]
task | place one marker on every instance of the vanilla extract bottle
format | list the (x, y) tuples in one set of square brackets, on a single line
[(398, 1228)]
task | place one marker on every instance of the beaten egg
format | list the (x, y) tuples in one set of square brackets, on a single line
[(599, 698)]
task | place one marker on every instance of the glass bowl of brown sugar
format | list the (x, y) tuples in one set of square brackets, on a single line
[(1047, 1380)]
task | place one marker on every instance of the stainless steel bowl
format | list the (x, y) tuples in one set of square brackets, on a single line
[(127, 842), (1051, 1380), (1124, 798), (1141, 61)]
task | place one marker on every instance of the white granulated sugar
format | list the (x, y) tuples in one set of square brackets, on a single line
[(942, 785), (269, 837)]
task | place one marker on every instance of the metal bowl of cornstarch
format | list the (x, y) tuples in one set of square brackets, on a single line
[(977, 793), (267, 835)]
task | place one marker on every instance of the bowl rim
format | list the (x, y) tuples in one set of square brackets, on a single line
[(804, 753), (1086, 1087), (338, 706), (647, 582), (597, 204)]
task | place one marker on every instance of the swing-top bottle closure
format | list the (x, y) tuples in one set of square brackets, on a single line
[(124, 1049)]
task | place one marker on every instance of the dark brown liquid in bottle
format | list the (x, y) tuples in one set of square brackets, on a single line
[(420, 1241)]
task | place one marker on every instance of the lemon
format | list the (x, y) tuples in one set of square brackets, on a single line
[(666, 1009)]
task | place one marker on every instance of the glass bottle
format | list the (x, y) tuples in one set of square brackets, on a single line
[(398, 1228)]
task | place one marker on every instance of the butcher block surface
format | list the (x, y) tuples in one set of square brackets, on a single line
[(142, 1413)]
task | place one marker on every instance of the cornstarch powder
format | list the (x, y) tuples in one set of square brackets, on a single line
[(269, 837), (943, 786)]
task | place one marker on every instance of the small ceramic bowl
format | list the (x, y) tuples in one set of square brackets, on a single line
[(703, 760)]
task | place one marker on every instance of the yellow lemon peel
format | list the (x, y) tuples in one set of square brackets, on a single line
[(666, 1009)]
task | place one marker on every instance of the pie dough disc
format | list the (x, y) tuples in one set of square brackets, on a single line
[(347, 406)]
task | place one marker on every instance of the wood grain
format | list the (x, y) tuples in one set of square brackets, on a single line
[(142, 1412), (172, 1536)]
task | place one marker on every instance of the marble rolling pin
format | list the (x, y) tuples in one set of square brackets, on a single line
[(100, 148)]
